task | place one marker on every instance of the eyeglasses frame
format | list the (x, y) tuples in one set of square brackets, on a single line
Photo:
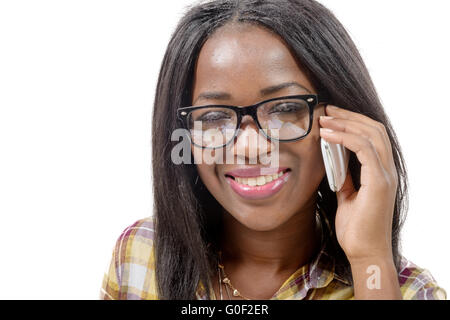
[(313, 100)]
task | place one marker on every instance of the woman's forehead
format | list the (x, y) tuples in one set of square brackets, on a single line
[(252, 47), (246, 57)]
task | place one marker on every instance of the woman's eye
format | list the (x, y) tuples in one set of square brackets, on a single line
[(213, 116), (285, 108)]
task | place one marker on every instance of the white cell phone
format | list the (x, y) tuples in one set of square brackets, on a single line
[(335, 158)]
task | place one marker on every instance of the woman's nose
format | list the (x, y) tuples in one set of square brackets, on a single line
[(250, 143)]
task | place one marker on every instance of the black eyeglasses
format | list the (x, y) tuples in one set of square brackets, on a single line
[(283, 119)]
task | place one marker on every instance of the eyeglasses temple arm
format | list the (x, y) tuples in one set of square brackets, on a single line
[(323, 97)]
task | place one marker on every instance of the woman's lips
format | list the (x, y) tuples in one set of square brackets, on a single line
[(259, 192)]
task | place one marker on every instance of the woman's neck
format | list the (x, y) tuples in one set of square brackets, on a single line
[(285, 248)]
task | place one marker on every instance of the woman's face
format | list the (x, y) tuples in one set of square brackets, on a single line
[(240, 62)]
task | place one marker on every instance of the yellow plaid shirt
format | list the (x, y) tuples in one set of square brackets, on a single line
[(131, 274)]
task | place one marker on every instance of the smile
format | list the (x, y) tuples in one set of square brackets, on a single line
[(259, 187)]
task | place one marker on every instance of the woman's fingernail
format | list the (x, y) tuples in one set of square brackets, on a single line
[(326, 118), (326, 130)]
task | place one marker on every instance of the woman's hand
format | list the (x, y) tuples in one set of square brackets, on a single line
[(364, 217)]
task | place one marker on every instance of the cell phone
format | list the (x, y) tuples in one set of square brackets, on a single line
[(335, 158)]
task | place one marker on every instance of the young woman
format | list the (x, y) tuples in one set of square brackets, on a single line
[(247, 230)]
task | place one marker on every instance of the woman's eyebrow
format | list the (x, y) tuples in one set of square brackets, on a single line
[(278, 87), (218, 95)]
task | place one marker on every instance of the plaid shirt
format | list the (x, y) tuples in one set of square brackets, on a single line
[(131, 274)]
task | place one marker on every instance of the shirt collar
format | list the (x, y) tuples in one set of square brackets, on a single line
[(317, 274)]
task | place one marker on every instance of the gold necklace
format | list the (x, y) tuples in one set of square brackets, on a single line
[(226, 281)]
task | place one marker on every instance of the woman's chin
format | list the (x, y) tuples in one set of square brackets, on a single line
[(259, 221)]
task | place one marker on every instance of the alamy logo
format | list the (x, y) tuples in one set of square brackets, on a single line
[(257, 145), (374, 280)]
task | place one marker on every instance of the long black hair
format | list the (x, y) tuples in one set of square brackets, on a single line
[(187, 216)]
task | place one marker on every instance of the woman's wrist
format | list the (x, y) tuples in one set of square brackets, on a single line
[(381, 255), (375, 277)]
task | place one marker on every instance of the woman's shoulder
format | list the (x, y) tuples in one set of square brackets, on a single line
[(417, 283), (131, 273), (135, 243), (141, 231)]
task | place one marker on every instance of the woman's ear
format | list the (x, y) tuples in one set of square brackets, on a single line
[(325, 107), (320, 110)]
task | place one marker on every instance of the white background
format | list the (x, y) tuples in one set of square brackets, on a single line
[(77, 81)]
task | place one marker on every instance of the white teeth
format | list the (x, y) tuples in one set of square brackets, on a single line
[(258, 181)]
